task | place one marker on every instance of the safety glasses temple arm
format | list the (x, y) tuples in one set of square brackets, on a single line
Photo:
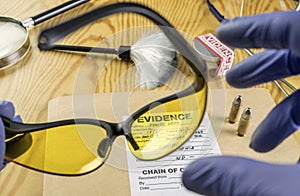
[(13, 127), (49, 36)]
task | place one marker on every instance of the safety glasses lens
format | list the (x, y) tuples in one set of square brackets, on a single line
[(167, 126), (67, 150)]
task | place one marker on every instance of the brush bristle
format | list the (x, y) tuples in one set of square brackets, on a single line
[(155, 59)]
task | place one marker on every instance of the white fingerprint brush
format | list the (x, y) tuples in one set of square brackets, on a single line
[(153, 54), (155, 59)]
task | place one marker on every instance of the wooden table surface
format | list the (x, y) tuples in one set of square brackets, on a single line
[(42, 76)]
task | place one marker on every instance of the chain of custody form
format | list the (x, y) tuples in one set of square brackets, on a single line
[(162, 177)]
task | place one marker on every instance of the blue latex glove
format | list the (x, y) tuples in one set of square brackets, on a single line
[(226, 175), (6, 109)]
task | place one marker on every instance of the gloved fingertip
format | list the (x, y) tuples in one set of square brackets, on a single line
[(225, 32), (222, 29), (281, 122), (186, 180), (7, 109), (6, 104), (260, 142), (193, 175), (203, 175), (258, 148), (226, 24), (5, 162), (17, 118), (230, 79), (233, 80)]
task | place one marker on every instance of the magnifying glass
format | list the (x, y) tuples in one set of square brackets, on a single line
[(14, 39)]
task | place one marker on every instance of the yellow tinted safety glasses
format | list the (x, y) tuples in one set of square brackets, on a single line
[(79, 146)]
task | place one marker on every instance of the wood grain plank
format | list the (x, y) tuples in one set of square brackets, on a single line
[(42, 76)]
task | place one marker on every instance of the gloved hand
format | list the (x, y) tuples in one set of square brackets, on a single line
[(6, 109), (227, 175)]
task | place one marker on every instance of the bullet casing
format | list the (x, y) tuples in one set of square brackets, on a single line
[(244, 122), (235, 107)]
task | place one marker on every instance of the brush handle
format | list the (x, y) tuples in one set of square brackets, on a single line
[(123, 51), (49, 36), (83, 49)]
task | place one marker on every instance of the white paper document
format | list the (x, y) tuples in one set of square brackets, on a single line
[(162, 177)]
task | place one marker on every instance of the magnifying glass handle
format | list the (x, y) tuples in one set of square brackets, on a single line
[(52, 12)]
